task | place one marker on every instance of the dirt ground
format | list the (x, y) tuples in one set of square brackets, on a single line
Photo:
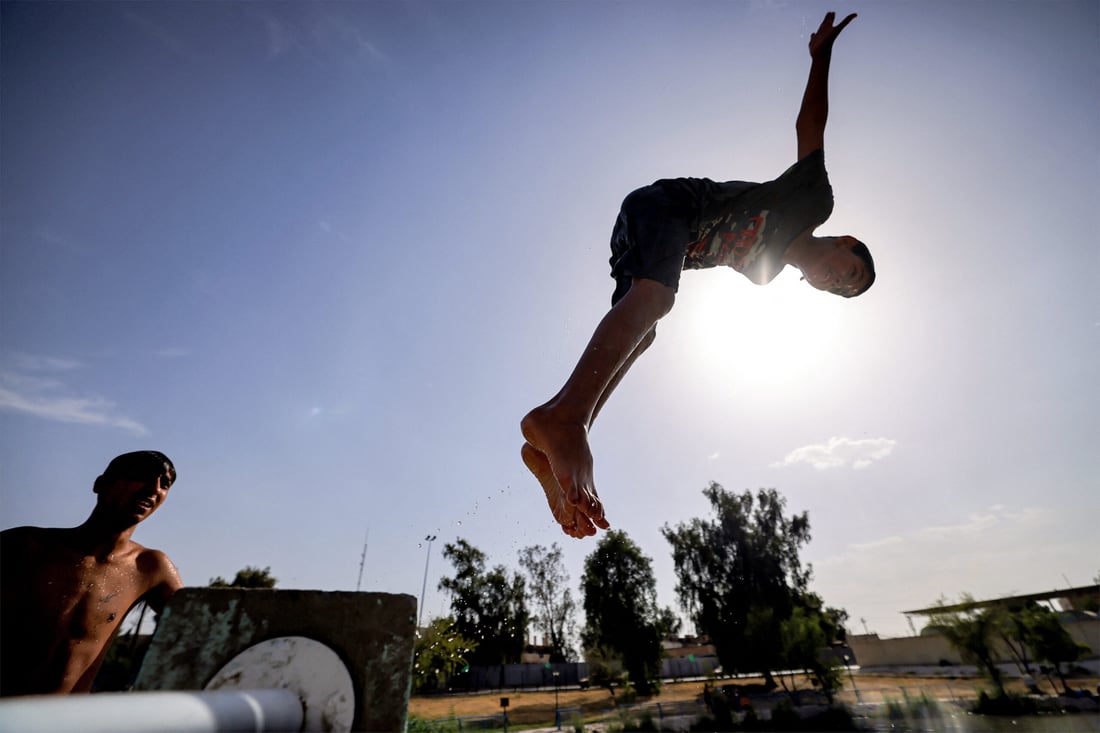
[(537, 707)]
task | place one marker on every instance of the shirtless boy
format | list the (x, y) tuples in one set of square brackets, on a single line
[(64, 592), (692, 223)]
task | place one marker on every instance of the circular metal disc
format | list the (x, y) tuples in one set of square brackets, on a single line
[(301, 665)]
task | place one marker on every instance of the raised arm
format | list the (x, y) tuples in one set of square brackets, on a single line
[(810, 125)]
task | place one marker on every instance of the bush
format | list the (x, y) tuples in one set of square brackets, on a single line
[(420, 725), (1005, 705)]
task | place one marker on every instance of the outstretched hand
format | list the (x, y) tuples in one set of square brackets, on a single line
[(822, 40)]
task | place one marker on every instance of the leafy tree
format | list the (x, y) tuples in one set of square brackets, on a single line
[(1016, 629), (440, 650), (489, 606), (620, 606), (739, 577), (804, 635), (972, 631), (248, 577), (547, 586), (1052, 643)]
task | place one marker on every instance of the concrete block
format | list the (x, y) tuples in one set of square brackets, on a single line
[(202, 629)]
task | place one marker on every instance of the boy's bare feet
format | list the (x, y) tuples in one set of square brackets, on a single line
[(562, 448), (572, 522)]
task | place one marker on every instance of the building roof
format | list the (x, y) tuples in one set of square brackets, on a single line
[(1076, 596)]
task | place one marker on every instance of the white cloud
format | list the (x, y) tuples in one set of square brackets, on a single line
[(328, 37), (840, 453), (37, 363), (44, 396), (158, 32), (988, 554), (281, 37)]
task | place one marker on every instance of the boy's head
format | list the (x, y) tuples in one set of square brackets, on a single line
[(840, 265), (135, 484), (140, 465)]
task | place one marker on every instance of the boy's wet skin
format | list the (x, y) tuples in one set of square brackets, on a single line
[(66, 591)]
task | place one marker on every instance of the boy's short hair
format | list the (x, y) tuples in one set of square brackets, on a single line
[(859, 249), (140, 465)]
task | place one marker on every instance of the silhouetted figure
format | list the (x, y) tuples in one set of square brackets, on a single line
[(64, 592), (691, 223)]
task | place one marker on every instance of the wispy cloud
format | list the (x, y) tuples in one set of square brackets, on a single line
[(32, 386), (281, 37), (993, 552), (333, 31), (158, 32), (38, 363), (329, 36), (840, 453)]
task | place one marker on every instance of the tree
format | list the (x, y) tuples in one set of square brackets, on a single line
[(972, 631), (547, 586), (1052, 643), (805, 634), (739, 576), (248, 577), (489, 607), (439, 651), (620, 606)]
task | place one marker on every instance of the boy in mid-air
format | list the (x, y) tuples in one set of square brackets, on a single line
[(690, 223)]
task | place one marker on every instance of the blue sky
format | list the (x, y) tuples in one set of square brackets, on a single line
[(325, 256)]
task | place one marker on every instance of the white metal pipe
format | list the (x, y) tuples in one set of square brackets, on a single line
[(154, 712)]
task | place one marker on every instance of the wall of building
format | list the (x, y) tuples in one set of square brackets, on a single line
[(920, 651)]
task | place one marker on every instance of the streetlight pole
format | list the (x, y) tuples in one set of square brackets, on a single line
[(420, 610), (848, 665), (557, 714)]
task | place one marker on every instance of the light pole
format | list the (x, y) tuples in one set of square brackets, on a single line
[(557, 715), (420, 610), (848, 665)]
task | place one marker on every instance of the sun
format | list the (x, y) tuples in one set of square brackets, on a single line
[(747, 337)]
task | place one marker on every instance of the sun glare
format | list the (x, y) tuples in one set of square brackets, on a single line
[(759, 337)]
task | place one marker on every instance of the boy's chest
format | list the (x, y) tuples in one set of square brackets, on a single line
[(84, 596)]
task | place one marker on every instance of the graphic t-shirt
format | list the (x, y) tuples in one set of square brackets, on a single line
[(749, 226)]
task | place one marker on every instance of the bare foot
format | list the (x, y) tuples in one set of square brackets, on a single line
[(572, 522), (565, 446)]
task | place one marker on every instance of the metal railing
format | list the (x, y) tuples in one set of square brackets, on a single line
[(154, 712)]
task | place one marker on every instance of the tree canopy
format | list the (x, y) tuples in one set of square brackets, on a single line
[(620, 606), (440, 651), (740, 579), (489, 606), (247, 577), (548, 588)]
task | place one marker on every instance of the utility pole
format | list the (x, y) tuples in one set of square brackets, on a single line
[(420, 609), (362, 559)]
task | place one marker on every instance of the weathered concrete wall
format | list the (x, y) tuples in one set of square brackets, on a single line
[(373, 633)]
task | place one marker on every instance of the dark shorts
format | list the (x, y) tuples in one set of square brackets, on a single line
[(650, 238)]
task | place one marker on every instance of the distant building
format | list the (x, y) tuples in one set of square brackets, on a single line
[(536, 654), (1076, 608)]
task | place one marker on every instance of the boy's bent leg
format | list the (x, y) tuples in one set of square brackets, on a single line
[(644, 344), (558, 429)]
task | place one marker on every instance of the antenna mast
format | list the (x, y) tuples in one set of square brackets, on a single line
[(362, 560)]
